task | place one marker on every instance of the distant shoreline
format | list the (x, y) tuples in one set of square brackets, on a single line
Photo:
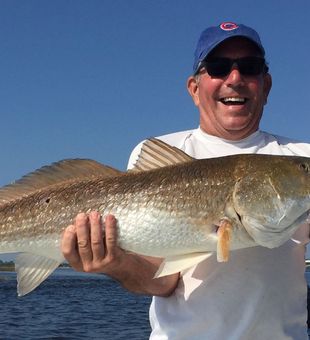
[(7, 268), (10, 266)]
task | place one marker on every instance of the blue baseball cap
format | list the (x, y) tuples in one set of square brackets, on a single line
[(213, 36)]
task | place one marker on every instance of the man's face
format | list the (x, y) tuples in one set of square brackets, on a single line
[(230, 106)]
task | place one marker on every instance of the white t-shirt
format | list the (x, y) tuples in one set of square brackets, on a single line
[(260, 293)]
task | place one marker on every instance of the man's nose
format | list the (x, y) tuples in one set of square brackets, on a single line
[(234, 77)]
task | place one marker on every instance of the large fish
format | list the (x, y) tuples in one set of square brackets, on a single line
[(170, 205)]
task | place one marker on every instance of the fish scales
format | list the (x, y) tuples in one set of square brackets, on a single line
[(123, 193), (129, 191), (35, 213), (169, 206)]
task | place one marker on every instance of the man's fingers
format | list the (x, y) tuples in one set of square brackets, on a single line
[(110, 235), (83, 238), (68, 246), (83, 243), (96, 236)]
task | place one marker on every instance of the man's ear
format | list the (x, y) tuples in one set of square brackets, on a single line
[(193, 89), (267, 85)]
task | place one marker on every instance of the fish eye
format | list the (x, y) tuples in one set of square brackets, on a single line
[(304, 167)]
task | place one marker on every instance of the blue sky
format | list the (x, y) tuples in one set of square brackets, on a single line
[(91, 78)]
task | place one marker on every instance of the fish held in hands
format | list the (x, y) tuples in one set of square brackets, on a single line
[(169, 206)]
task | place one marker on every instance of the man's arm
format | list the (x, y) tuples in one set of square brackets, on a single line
[(87, 249)]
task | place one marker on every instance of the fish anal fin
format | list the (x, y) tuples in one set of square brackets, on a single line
[(223, 243), (32, 270), (65, 170), (178, 263), (157, 154)]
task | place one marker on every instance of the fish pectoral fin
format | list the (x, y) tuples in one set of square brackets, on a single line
[(223, 243), (32, 270), (176, 264)]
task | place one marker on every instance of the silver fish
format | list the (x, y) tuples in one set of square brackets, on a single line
[(170, 206)]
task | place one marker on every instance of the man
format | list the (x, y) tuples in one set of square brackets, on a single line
[(260, 293)]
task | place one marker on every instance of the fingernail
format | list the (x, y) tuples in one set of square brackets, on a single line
[(71, 229), (94, 215), (110, 218), (81, 215)]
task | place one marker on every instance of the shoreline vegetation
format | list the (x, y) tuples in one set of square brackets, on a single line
[(9, 266)]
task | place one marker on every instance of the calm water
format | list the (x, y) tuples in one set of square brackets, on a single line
[(71, 305)]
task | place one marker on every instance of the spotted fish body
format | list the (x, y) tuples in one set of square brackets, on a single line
[(170, 205)]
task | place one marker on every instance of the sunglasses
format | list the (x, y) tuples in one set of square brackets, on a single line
[(247, 66)]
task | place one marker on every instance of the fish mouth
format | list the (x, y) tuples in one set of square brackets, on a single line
[(270, 236), (233, 100)]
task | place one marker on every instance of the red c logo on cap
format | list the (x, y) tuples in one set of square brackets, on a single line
[(228, 26)]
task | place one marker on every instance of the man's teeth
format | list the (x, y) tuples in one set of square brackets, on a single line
[(234, 100)]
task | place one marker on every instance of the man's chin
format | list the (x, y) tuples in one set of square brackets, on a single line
[(240, 131)]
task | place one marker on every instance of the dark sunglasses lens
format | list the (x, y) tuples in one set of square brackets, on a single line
[(248, 66), (218, 67), (251, 66)]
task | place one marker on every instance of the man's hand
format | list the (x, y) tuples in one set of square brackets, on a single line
[(87, 248)]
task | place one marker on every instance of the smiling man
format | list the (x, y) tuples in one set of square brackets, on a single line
[(260, 293), (230, 88)]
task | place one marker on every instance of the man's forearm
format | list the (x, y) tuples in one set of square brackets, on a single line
[(137, 275)]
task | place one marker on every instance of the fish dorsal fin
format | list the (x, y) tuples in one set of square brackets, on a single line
[(53, 174), (157, 154)]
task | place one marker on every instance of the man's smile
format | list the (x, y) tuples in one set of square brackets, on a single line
[(233, 100)]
